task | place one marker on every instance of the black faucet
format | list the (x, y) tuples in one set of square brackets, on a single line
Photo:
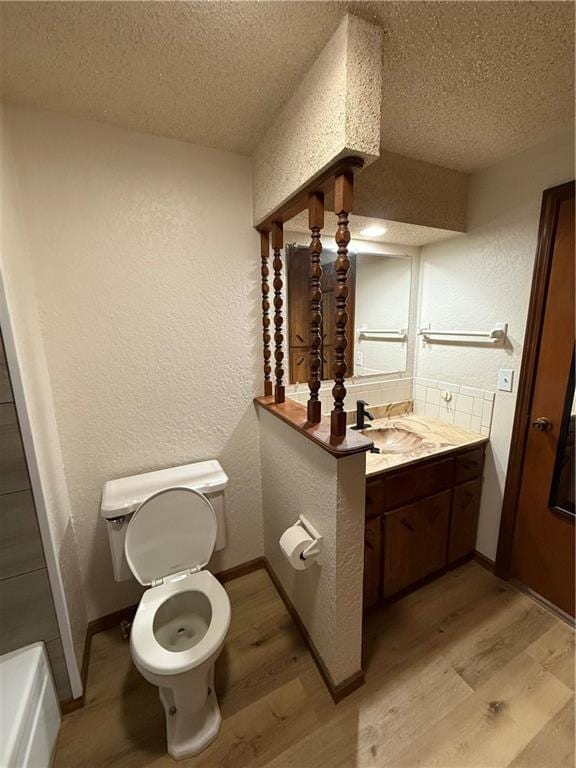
[(361, 414)]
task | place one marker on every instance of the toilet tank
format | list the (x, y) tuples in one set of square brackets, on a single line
[(121, 498)]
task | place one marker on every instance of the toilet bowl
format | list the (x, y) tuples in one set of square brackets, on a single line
[(182, 619)]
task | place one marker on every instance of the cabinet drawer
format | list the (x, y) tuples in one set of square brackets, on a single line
[(373, 498), (469, 465), (415, 539), (418, 482), (372, 567), (464, 519)]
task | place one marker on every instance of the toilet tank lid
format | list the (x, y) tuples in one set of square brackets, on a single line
[(124, 495)]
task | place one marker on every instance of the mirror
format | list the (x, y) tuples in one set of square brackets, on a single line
[(378, 311), (382, 312)]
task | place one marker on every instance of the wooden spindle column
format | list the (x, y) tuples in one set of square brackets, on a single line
[(343, 194), (277, 244), (315, 224), (266, 337)]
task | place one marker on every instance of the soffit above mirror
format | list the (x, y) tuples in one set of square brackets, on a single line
[(396, 232)]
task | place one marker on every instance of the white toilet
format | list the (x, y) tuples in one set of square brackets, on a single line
[(169, 532)]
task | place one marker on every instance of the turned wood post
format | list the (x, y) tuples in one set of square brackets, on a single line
[(266, 338), (342, 206), (315, 224), (277, 244)]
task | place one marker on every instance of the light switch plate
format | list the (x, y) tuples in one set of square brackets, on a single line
[(505, 379)]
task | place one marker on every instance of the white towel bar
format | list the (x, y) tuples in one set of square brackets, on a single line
[(496, 334), (378, 333)]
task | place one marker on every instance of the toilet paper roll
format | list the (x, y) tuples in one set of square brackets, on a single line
[(293, 542)]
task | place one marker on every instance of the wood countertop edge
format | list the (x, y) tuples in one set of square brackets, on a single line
[(295, 415)]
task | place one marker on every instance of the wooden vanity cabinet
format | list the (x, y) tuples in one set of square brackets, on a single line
[(420, 520), (414, 542)]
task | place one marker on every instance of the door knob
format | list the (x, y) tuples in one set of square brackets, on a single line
[(542, 424)]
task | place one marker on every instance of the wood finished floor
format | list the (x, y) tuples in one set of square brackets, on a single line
[(466, 672)]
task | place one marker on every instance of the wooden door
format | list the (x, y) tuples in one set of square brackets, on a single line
[(298, 289), (329, 317), (298, 300), (542, 551)]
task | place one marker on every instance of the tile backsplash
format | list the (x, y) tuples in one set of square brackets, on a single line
[(466, 407), (373, 392)]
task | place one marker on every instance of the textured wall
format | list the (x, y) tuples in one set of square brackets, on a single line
[(300, 478), (334, 111), (147, 291), (33, 395), (484, 277)]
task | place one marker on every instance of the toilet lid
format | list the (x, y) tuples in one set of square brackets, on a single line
[(172, 531)]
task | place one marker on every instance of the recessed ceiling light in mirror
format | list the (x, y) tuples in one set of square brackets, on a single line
[(373, 231)]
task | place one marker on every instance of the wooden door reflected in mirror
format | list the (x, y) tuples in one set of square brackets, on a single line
[(298, 290)]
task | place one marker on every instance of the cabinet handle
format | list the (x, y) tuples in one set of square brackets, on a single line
[(406, 524), (299, 338)]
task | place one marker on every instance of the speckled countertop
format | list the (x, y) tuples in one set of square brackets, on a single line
[(425, 438)]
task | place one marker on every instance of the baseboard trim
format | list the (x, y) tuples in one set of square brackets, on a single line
[(484, 561), (544, 603), (337, 691), (241, 570)]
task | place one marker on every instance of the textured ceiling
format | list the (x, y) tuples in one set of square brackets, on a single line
[(396, 231), (465, 83)]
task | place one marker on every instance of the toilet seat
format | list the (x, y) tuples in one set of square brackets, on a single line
[(169, 539), (146, 649)]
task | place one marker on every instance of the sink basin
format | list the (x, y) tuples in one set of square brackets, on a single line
[(391, 440)]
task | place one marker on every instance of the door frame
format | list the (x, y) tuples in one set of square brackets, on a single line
[(551, 200)]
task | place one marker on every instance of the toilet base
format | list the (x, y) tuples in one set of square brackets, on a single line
[(189, 730)]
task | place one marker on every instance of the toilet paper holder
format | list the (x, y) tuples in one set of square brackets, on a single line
[(312, 551)]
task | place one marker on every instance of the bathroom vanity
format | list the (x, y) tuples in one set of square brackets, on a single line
[(422, 502)]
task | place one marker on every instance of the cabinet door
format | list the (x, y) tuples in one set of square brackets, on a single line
[(469, 465), (417, 482), (372, 567), (373, 498), (415, 540), (464, 519), (299, 364)]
